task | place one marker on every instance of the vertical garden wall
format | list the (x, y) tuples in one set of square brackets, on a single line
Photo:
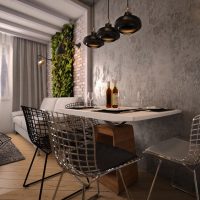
[(62, 70)]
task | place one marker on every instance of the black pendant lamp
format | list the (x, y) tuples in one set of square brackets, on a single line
[(108, 33), (92, 40), (128, 23)]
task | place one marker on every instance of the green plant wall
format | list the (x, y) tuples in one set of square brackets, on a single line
[(62, 70)]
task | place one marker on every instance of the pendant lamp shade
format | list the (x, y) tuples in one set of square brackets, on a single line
[(128, 23), (93, 41), (108, 33)]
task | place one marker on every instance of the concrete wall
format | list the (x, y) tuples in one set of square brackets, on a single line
[(159, 65)]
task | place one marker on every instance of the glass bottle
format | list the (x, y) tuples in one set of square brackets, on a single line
[(115, 96), (108, 96)]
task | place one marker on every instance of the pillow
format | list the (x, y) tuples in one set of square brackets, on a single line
[(48, 103), (17, 113), (62, 101)]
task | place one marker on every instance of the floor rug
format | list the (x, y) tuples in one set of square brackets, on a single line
[(8, 151)]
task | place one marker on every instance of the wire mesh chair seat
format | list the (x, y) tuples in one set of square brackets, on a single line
[(38, 133), (81, 155), (185, 153)]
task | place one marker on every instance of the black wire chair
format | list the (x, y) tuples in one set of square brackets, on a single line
[(38, 133), (80, 155)]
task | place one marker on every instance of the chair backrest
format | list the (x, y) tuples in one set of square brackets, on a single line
[(62, 101), (73, 143), (37, 128), (71, 105), (81, 103), (194, 146)]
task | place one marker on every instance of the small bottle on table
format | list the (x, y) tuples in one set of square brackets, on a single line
[(115, 96), (108, 96)]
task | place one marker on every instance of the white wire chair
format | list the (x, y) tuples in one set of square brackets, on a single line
[(73, 143), (181, 152)]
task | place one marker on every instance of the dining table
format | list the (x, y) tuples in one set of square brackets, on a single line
[(122, 114), (117, 130)]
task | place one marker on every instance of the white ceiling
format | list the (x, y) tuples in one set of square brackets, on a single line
[(38, 19)]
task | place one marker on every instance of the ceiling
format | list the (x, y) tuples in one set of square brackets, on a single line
[(39, 19)]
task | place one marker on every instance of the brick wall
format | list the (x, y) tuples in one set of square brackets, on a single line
[(79, 58), (49, 67)]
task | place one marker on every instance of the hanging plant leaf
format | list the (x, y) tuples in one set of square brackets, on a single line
[(62, 71)]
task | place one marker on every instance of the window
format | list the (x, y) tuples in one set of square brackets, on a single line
[(4, 84), (5, 66)]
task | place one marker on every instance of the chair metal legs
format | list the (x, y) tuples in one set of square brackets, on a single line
[(24, 184), (59, 181), (196, 184), (154, 179), (183, 190), (83, 192), (96, 196), (70, 195), (124, 184), (98, 191), (173, 185), (43, 174)]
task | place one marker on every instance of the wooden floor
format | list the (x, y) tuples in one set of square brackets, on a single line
[(12, 177)]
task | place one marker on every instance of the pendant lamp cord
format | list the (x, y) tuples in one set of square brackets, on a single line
[(127, 6), (93, 25), (108, 12)]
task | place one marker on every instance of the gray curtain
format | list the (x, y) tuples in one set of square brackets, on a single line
[(29, 79)]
